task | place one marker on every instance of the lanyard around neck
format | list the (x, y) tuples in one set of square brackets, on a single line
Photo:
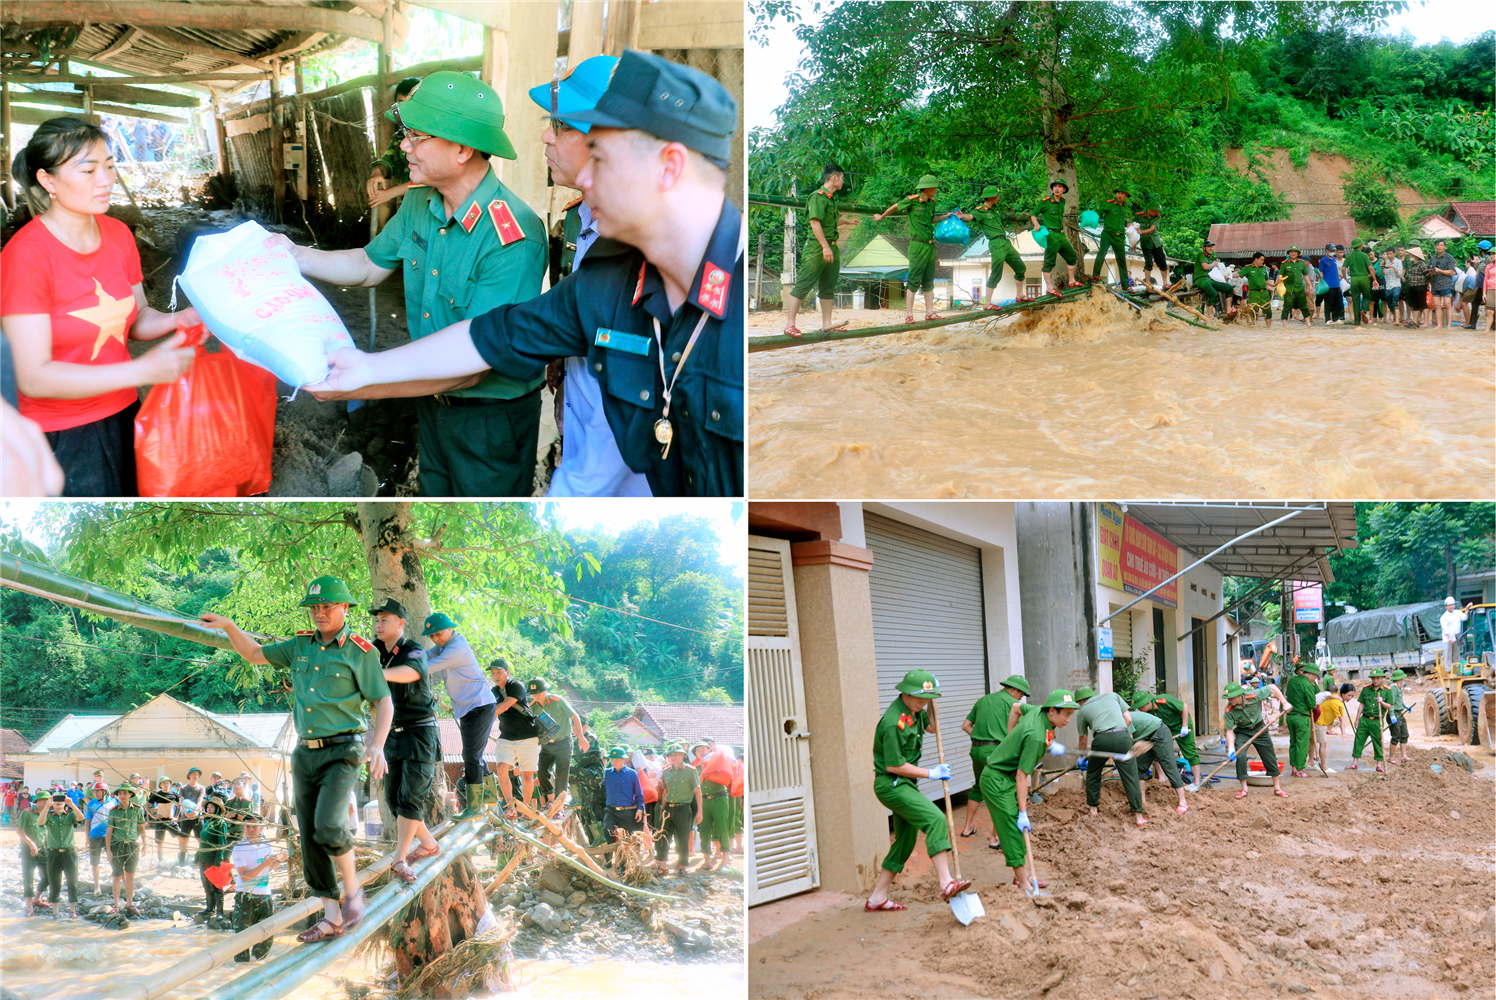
[(662, 435)]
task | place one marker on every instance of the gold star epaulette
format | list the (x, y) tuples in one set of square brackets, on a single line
[(362, 643)]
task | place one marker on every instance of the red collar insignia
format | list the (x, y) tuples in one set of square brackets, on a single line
[(504, 221), (1048, 737), (470, 219), (713, 293), (639, 288)]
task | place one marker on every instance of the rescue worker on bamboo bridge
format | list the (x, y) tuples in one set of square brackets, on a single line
[(333, 671)]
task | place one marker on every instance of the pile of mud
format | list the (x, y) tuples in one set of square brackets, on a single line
[(1089, 396), (1373, 886)]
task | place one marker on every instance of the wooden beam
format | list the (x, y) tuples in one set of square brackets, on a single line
[(247, 126), (5, 192), (178, 78), (35, 116), (222, 159), (586, 31), (173, 40), (623, 27), (120, 44), (164, 14), (704, 24), (298, 43), (463, 65), (277, 151), (121, 94), (489, 13)]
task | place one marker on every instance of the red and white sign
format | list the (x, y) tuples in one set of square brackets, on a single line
[(1308, 603), (1147, 558)]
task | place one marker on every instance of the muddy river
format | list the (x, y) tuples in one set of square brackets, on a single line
[(1086, 400)]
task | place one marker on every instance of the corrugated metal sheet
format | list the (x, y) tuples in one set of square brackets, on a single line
[(70, 730), (1242, 239), (927, 614)]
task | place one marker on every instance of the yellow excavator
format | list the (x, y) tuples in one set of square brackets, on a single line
[(1465, 700)]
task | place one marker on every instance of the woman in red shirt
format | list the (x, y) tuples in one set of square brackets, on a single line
[(70, 294)]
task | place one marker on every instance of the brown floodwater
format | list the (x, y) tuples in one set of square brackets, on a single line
[(1086, 399)]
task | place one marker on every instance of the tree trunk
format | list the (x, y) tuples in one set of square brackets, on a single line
[(1054, 106), (394, 571), (1450, 574), (442, 917)]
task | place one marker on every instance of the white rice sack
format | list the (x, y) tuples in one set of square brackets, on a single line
[(254, 299)]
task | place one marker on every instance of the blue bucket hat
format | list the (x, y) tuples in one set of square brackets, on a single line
[(578, 90)]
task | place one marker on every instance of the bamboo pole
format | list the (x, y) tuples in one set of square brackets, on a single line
[(566, 841), (514, 831), (780, 340), (787, 201)]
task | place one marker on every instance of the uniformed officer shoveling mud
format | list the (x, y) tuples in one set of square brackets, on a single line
[(898, 743), (656, 306), (333, 671)]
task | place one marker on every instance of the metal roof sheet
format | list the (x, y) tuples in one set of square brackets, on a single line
[(1242, 239)]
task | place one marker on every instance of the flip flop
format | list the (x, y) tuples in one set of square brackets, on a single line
[(887, 904), (1280, 793), (971, 833), (954, 888), (1242, 794), (994, 847), (932, 316), (793, 331), (1042, 885), (1354, 765), (1181, 810), (315, 933)]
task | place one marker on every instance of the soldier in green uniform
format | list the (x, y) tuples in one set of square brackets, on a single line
[(239, 810), (820, 260), (1300, 692), (391, 168), (1259, 299), (1374, 710), (33, 840), (898, 744), (1050, 214), (1161, 752), (122, 841), (987, 723), (993, 226), (663, 288), (677, 810), (1397, 727), (1213, 294), (587, 792), (212, 851), (333, 672), (1294, 273), (922, 219), (1114, 218), (1108, 716), (465, 244), (1363, 280), (1005, 782), (59, 817), (1151, 244), (1181, 722), (1243, 719)]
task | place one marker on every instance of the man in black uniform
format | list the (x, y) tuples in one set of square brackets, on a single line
[(414, 746), (661, 325)]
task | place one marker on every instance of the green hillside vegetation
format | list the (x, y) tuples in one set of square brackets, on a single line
[(1150, 96), (55, 659)]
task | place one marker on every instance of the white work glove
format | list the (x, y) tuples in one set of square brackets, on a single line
[(940, 772), (1185, 731), (1057, 749), (1024, 825)]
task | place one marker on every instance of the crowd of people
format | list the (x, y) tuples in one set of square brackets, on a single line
[(643, 324)]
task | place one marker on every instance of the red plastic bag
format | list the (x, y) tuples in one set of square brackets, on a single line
[(211, 432), (222, 874)]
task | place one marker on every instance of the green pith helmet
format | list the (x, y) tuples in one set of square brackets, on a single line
[(538, 685), (1017, 682), (1294, 250), (1060, 698), (1060, 183), (618, 753), (1083, 692), (1398, 675), (698, 743), (927, 181), (991, 191), (1379, 672), (327, 590), (1141, 700), (920, 684), (459, 108), (1233, 690), (435, 623), (1308, 665), (125, 786), (675, 748)]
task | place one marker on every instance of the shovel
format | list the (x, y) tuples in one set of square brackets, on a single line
[(967, 906), (1239, 751), (1031, 885)]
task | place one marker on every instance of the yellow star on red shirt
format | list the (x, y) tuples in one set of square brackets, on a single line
[(111, 316)]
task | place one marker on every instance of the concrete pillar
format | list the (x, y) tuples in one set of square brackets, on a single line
[(841, 706), (1057, 575)]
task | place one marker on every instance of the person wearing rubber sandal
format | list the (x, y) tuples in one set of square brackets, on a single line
[(993, 224), (122, 842), (253, 859), (415, 741), (1005, 781), (1243, 722), (1161, 753), (1050, 215), (820, 260), (922, 219), (1374, 711), (1397, 721), (680, 808), (333, 672), (1301, 690), (898, 743), (1115, 214), (1108, 716), (987, 723)]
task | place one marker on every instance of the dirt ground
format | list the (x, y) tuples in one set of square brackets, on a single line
[(1358, 885), (322, 449), (1318, 191)]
